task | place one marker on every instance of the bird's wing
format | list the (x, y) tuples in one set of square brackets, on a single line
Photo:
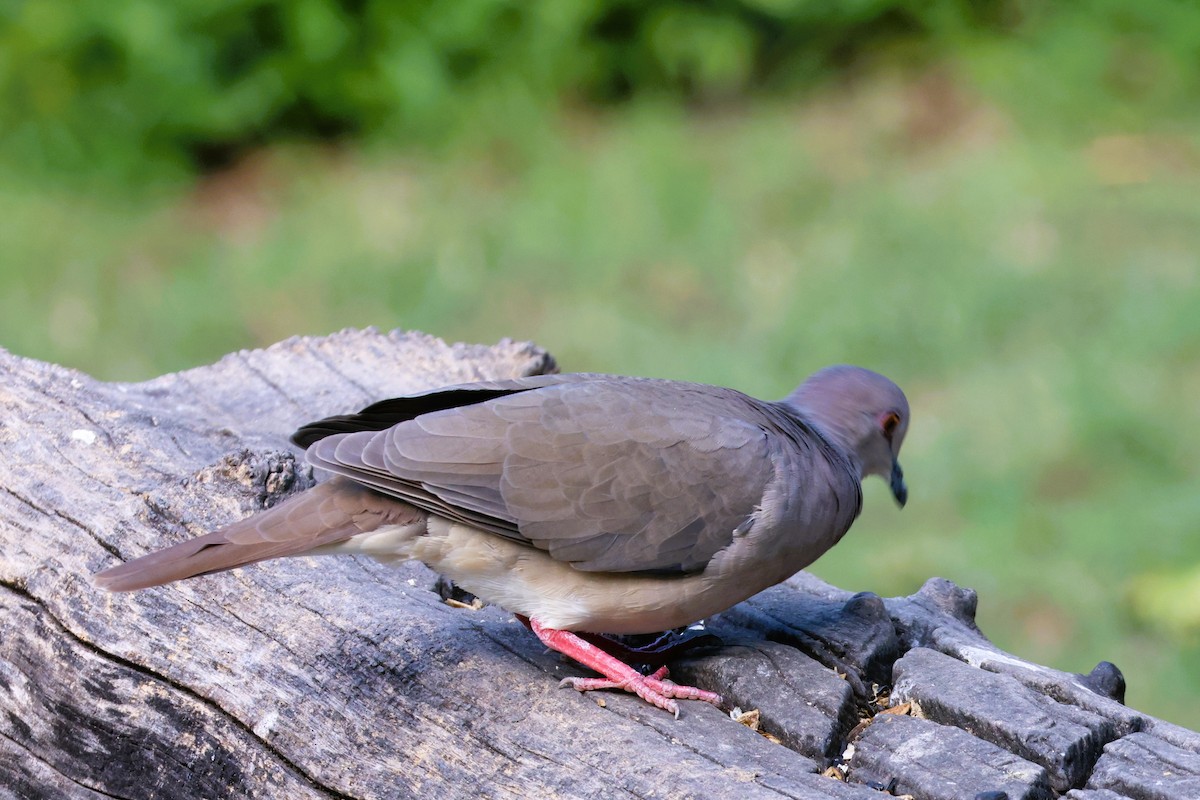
[(616, 475)]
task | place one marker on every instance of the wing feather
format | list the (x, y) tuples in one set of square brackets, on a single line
[(606, 474)]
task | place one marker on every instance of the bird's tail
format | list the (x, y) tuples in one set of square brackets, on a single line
[(310, 523)]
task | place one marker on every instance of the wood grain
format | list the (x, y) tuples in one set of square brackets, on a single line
[(344, 678)]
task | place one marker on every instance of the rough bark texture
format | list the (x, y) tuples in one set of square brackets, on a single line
[(344, 678)]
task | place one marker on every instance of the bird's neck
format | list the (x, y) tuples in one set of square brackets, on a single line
[(837, 440)]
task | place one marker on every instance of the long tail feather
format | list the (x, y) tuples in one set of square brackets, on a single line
[(331, 512)]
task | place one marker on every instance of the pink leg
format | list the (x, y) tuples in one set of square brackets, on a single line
[(617, 674)]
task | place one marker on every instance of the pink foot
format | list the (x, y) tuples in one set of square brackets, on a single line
[(654, 689), (591, 684)]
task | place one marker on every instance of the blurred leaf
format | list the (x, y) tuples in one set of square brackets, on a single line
[(1168, 601), (700, 50)]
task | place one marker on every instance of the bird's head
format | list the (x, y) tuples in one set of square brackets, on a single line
[(864, 413)]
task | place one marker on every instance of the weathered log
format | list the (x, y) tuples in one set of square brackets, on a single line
[(345, 678)]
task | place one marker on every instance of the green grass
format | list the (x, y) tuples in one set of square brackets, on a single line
[(1037, 297)]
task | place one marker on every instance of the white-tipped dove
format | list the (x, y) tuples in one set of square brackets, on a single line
[(589, 503)]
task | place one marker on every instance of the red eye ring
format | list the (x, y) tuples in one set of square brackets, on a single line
[(889, 423)]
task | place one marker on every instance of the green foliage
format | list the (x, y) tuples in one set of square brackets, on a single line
[(135, 87)]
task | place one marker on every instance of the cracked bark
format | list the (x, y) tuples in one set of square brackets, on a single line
[(343, 678)]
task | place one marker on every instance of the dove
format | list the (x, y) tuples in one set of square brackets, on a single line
[(583, 503)]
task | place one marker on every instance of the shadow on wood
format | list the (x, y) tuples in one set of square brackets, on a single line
[(344, 678)]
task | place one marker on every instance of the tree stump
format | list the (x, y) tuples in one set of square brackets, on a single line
[(344, 678)]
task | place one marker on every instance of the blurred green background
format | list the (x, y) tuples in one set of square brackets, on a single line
[(995, 203)]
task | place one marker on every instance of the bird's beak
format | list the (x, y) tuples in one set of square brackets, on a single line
[(899, 490)]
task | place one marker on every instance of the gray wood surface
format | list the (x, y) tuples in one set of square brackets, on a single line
[(344, 678)]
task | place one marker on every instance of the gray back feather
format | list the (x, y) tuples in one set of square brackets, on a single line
[(608, 474)]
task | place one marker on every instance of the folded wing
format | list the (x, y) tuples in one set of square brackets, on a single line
[(608, 475)]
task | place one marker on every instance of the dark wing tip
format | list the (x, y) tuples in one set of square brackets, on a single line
[(386, 413), (313, 432)]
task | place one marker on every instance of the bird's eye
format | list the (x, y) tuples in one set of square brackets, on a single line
[(889, 423)]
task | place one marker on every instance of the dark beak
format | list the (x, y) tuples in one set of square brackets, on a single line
[(899, 490)]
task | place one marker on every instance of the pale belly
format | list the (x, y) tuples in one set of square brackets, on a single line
[(528, 581)]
